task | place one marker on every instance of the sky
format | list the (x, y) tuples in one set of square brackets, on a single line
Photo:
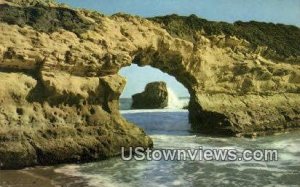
[(276, 11), (137, 77)]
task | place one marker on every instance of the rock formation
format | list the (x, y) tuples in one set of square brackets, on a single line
[(154, 96), (60, 88)]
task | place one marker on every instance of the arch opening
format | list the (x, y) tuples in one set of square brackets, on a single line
[(172, 118), (138, 77)]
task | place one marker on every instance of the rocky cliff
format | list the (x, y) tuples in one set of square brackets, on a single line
[(60, 88), (154, 96)]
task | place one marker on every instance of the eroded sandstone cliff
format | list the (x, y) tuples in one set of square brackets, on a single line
[(60, 88)]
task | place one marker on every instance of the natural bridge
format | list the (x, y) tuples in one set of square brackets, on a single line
[(60, 88)]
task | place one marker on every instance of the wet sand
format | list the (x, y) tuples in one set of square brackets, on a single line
[(38, 177)]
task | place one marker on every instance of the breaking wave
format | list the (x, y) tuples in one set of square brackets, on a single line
[(174, 102)]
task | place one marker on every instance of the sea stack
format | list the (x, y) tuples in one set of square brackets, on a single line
[(155, 96)]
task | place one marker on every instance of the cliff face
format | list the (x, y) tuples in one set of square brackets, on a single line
[(60, 88), (247, 74), (59, 91)]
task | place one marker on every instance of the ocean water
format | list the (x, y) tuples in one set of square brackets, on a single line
[(169, 128)]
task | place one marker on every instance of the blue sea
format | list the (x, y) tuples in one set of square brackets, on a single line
[(169, 128)]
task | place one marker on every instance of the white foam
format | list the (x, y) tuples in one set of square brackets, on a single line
[(72, 170), (173, 101), (152, 111), (277, 185), (93, 180), (291, 146)]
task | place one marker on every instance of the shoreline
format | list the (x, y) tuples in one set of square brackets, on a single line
[(37, 177)]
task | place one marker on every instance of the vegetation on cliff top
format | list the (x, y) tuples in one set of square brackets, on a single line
[(44, 18), (33, 2), (282, 39)]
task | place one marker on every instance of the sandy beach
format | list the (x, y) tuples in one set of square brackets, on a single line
[(37, 177)]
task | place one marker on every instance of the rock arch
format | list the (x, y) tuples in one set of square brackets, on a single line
[(64, 79), (232, 85)]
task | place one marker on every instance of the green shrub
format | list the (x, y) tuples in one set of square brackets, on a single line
[(284, 40), (44, 18)]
